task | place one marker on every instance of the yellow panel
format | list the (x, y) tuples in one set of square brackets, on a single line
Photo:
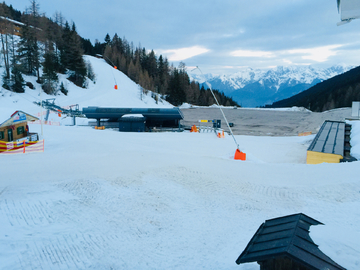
[(318, 157)]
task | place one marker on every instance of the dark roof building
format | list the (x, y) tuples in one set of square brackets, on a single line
[(284, 244), (153, 117), (328, 145)]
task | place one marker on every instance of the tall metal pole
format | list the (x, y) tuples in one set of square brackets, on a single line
[(227, 123), (42, 133)]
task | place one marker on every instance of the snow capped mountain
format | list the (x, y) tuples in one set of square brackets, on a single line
[(257, 87)]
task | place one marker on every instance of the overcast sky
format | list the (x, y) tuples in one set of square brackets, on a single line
[(221, 36)]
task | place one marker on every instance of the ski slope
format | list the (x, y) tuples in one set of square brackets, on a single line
[(102, 199), (100, 93)]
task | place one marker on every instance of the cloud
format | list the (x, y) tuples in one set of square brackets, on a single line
[(249, 53), (233, 34), (318, 54), (287, 61), (183, 53), (308, 56)]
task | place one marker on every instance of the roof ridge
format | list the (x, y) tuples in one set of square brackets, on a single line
[(293, 235)]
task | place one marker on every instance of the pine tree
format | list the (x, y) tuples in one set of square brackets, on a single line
[(99, 47), (107, 39), (34, 11), (152, 64), (194, 93), (31, 38), (5, 28), (64, 48), (117, 44), (77, 64), (59, 19), (202, 100), (176, 94), (163, 75), (6, 81), (49, 77), (17, 80), (87, 46), (71, 55), (28, 51)]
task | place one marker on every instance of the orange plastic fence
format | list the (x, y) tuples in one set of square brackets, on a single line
[(21, 147)]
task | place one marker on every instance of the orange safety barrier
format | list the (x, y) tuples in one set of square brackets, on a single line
[(102, 127), (49, 123), (21, 147), (239, 155), (305, 133), (194, 129), (221, 134)]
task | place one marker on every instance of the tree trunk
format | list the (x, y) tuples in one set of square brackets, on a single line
[(5, 44)]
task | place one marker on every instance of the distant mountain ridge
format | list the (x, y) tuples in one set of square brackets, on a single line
[(257, 87), (337, 92)]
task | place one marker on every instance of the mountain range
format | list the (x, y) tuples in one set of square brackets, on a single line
[(258, 87), (337, 92)]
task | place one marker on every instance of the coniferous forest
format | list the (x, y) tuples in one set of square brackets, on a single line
[(54, 45)]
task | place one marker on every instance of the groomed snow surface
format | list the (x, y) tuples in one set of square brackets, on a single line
[(102, 199)]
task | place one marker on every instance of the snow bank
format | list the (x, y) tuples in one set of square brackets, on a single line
[(102, 199), (293, 109)]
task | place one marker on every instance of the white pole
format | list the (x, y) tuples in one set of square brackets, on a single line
[(227, 123), (42, 133)]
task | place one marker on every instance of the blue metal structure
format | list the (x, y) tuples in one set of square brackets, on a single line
[(154, 117)]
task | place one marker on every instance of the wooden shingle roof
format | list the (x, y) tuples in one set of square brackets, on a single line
[(287, 236)]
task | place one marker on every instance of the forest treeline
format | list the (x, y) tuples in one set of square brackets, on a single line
[(54, 45)]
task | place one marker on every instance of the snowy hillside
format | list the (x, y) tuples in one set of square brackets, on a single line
[(103, 199), (255, 87), (100, 93)]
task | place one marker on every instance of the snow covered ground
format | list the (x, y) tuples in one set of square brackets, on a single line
[(102, 199), (100, 93)]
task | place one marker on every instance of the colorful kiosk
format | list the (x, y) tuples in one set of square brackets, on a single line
[(14, 132)]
